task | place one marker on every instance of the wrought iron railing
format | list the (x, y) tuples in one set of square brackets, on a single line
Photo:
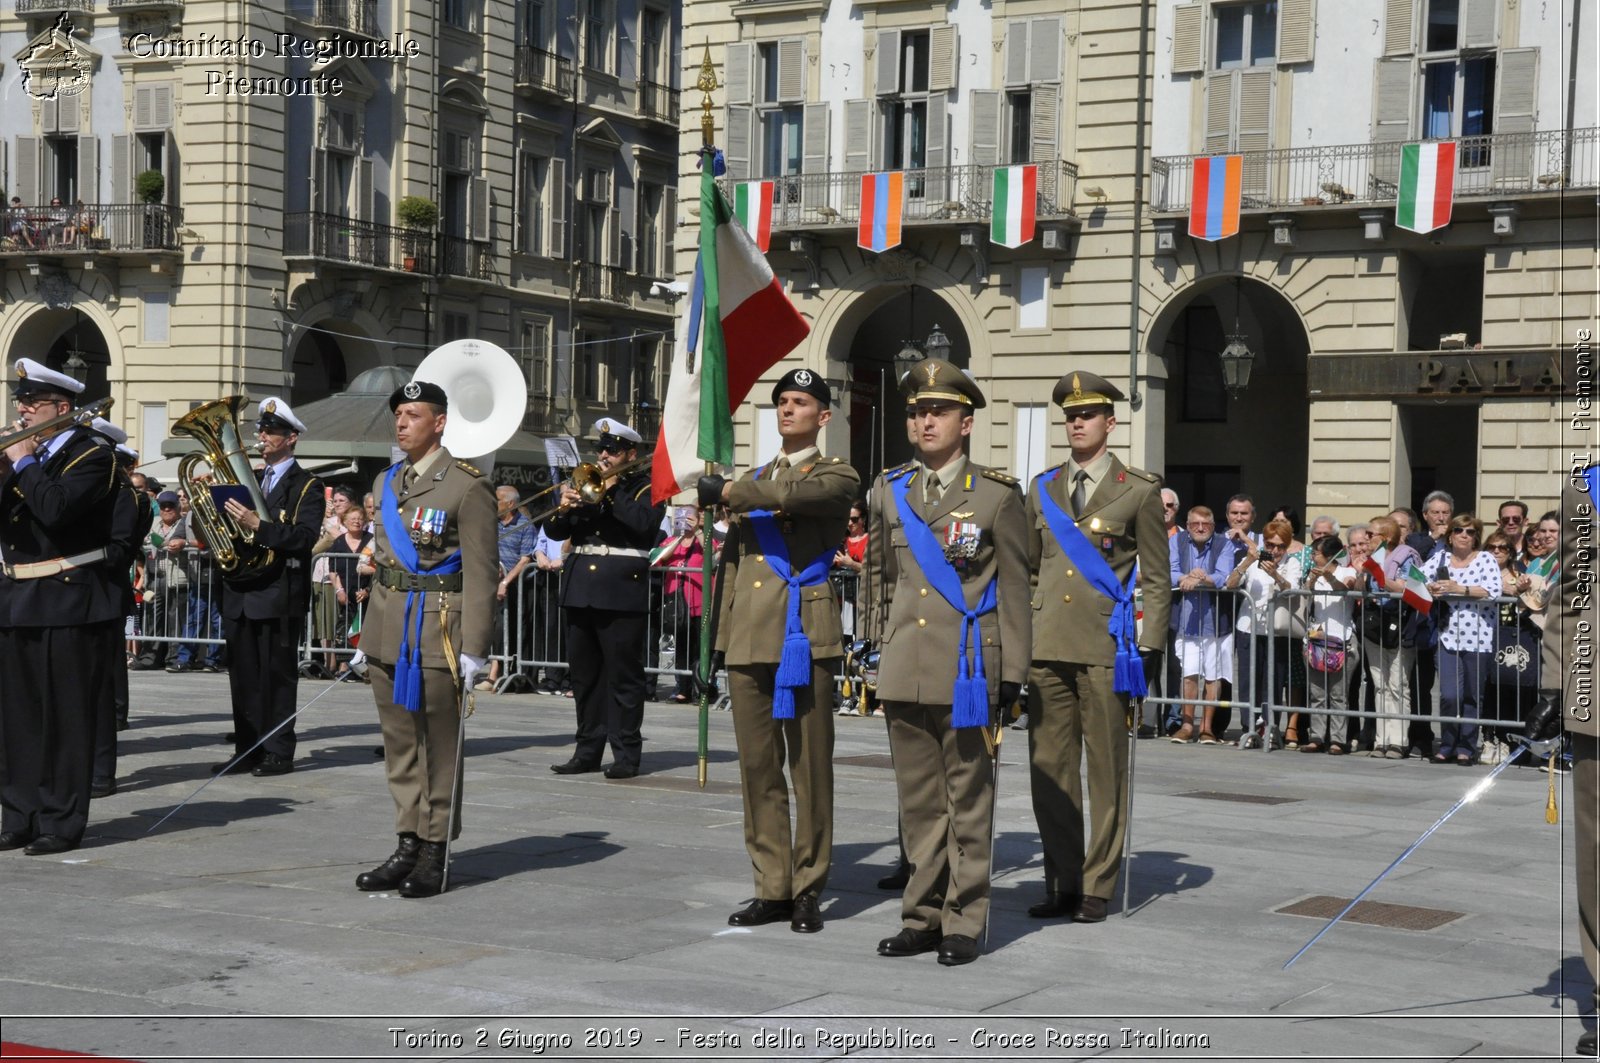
[(1501, 164), (41, 7), (608, 283), (349, 16), (139, 5), (86, 229), (658, 101), (332, 238), (460, 257), (948, 194), (539, 69)]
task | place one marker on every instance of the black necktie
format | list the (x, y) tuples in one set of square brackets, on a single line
[(1080, 495)]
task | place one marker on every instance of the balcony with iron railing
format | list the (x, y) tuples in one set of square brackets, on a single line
[(52, 7), (330, 238), (600, 282), (464, 258), (658, 101), (1357, 175), (141, 5), (91, 229), (944, 195), (359, 17), (544, 71)]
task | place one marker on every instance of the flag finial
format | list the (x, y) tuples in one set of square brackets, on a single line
[(707, 83)]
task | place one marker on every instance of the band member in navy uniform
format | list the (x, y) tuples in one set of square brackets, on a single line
[(264, 613), (606, 597), (61, 612), (131, 522), (779, 627), (427, 631)]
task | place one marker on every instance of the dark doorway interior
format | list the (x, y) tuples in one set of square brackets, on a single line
[(1442, 443), (1204, 485)]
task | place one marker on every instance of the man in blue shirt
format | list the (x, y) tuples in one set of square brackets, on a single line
[(517, 538), (1203, 636)]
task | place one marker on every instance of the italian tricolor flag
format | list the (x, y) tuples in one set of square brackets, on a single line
[(1416, 592), (1427, 185), (1015, 196), (752, 205), (1373, 566), (738, 324)]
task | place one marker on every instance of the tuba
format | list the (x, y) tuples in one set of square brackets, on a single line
[(216, 426), (487, 394)]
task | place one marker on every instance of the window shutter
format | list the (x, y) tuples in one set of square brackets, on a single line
[(364, 205), (142, 106), (1017, 52), (944, 58), (1044, 50), (938, 153), (171, 159), (519, 201), (984, 112), (1188, 38), (888, 59), (28, 171), (67, 115), (1297, 31), (319, 172), (669, 228), (1516, 106), (49, 114), (1399, 27), (1395, 80), (614, 256), (857, 148), (1219, 111), (88, 167), (121, 167), (737, 154), (791, 70), (1254, 133), (556, 189), (1478, 23), (737, 65), (814, 154), (161, 105), (1046, 107)]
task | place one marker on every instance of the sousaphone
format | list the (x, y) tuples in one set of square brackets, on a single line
[(487, 393)]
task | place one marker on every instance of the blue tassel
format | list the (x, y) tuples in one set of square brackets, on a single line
[(782, 702), (794, 666), (970, 707), (1129, 676)]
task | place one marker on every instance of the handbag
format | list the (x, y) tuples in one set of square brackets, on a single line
[(1324, 653), (1380, 624), (1290, 619)]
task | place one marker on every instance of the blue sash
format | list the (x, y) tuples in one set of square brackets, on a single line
[(794, 666), (1129, 675), (969, 700), (408, 669)]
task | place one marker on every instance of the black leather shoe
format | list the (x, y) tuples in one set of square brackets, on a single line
[(231, 737), (393, 871), (1092, 910), (896, 879), (1056, 906), (122, 723), (245, 765), (574, 767), (807, 915), (957, 949), (273, 764), (620, 771), (103, 788), (1586, 1044), (760, 913), (427, 877), (14, 839), (177, 666), (909, 942), (49, 845)]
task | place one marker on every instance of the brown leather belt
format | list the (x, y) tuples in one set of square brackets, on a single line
[(398, 580)]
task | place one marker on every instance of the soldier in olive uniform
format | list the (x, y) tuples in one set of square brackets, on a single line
[(1085, 658), (779, 627), (944, 527), (431, 614), (1567, 700)]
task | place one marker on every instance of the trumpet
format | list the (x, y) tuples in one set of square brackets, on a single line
[(75, 419), (590, 481)]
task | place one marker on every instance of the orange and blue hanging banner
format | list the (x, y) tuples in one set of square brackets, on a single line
[(882, 203), (1214, 197)]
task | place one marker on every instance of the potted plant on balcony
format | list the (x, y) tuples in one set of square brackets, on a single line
[(419, 215), (150, 186)]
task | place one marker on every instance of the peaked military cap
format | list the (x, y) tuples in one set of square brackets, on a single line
[(805, 380), (1076, 390), (109, 430), (275, 413), (614, 435), (934, 379), (34, 378)]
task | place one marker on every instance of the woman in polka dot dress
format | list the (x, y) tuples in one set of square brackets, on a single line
[(1467, 578)]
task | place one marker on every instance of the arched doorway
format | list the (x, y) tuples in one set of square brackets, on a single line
[(902, 316), (1218, 445), (327, 355), (68, 341)]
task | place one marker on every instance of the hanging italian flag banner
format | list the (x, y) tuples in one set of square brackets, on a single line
[(1427, 186), (752, 205), (1015, 198), (1416, 593)]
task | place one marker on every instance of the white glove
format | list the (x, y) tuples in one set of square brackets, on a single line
[(470, 667), (358, 664)]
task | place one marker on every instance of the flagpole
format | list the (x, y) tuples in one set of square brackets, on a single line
[(706, 83)]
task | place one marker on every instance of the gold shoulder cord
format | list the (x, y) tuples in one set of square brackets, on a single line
[(468, 700)]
